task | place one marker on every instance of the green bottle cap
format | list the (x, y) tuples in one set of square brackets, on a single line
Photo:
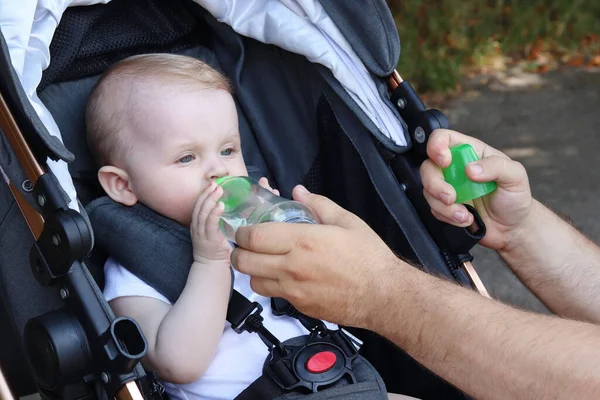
[(455, 175), (235, 191)]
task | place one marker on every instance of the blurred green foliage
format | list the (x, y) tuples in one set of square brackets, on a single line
[(443, 39)]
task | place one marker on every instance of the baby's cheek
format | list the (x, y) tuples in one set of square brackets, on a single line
[(187, 201)]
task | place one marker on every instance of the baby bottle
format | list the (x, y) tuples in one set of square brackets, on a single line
[(248, 203)]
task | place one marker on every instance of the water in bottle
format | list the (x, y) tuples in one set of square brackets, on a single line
[(248, 203)]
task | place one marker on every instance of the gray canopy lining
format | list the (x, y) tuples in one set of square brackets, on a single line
[(369, 26)]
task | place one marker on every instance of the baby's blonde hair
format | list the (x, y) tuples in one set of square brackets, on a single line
[(110, 102)]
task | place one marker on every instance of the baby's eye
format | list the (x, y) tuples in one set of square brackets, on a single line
[(226, 152), (186, 159)]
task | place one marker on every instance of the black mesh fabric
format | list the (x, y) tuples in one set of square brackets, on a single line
[(90, 38), (339, 174)]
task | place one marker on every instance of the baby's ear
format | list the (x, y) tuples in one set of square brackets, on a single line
[(115, 183)]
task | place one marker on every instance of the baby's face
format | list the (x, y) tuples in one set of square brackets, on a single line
[(183, 141)]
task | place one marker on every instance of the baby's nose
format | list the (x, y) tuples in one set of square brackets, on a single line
[(217, 170), (217, 176)]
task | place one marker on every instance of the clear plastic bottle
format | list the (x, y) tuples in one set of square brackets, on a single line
[(248, 203)]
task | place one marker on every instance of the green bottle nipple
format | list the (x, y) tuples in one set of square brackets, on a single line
[(235, 191), (455, 175)]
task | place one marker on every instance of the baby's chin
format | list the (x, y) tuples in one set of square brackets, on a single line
[(186, 222)]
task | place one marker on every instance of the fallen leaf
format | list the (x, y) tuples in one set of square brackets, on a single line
[(591, 38), (535, 51), (542, 69), (595, 61), (575, 61)]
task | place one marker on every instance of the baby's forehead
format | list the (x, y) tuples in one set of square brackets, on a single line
[(159, 109), (141, 102)]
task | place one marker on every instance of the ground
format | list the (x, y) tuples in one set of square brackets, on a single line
[(551, 124)]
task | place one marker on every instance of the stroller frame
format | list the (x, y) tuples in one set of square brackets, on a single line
[(115, 345)]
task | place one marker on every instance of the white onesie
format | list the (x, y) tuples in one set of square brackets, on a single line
[(239, 357)]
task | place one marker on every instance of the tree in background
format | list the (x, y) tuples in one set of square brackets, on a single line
[(444, 40)]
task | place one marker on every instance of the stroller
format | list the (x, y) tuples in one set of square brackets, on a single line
[(320, 103)]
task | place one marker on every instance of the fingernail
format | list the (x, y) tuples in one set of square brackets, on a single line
[(441, 160), (460, 216), (445, 198), (476, 169)]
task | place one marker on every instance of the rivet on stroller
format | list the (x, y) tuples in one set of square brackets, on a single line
[(320, 103)]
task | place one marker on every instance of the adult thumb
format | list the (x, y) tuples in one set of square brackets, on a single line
[(506, 172), (327, 211)]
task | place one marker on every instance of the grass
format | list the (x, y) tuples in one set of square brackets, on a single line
[(442, 40)]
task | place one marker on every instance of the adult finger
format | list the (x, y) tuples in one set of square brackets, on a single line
[(447, 220), (327, 211), (442, 140), (506, 172), (434, 183), (272, 237), (266, 287), (455, 214), (256, 264)]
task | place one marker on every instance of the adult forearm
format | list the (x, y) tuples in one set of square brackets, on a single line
[(485, 348), (188, 335), (558, 264)]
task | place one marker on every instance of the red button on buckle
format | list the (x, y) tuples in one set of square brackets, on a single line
[(321, 362)]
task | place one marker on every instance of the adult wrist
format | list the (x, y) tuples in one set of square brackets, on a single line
[(520, 238), (391, 293)]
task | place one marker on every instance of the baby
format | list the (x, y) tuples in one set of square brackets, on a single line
[(163, 127)]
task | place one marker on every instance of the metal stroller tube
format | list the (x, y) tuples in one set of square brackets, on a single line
[(474, 277), (5, 393), (59, 232), (26, 159), (394, 80), (129, 392)]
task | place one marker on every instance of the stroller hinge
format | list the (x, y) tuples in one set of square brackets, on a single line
[(65, 239), (65, 236)]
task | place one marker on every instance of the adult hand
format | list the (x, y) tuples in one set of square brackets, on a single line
[(330, 271), (505, 212)]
